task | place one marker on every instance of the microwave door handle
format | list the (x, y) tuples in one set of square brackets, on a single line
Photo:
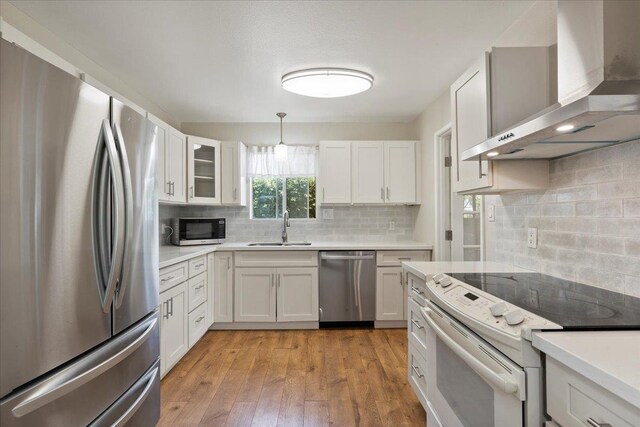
[(110, 167), (500, 381), (128, 215)]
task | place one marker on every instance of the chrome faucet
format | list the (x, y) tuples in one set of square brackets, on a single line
[(285, 238)]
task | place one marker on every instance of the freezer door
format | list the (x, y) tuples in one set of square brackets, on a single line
[(138, 407), (80, 391), (138, 291), (51, 129)]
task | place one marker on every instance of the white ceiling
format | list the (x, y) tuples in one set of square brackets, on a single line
[(222, 61)]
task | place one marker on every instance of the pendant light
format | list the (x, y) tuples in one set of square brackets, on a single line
[(280, 150)]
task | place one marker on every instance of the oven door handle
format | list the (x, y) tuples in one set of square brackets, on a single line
[(500, 381)]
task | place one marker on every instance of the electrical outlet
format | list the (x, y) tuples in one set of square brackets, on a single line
[(392, 225), (492, 213), (327, 214), (532, 238)]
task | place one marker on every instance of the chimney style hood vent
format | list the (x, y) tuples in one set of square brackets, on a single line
[(598, 87)]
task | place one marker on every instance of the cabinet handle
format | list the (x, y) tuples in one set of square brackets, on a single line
[(418, 325), (235, 194), (480, 168), (228, 263), (323, 194), (279, 278), (401, 279), (594, 423), (199, 287), (191, 191), (199, 265), (417, 371), (166, 311), (168, 185), (417, 291), (167, 279), (382, 193), (172, 186), (273, 280), (387, 193), (171, 309), (199, 319)]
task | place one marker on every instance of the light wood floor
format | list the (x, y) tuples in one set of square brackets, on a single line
[(352, 377)]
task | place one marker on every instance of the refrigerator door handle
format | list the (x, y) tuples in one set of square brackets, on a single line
[(104, 166), (148, 380), (64, 385), (128, 216)]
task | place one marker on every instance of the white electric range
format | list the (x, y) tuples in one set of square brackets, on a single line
[(479, 366)]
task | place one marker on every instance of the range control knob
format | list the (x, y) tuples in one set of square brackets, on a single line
[(438, 277), (514, 317), (498, 309), (445, 282)]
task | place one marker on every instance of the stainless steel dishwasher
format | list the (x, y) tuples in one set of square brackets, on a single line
[(347, 287)]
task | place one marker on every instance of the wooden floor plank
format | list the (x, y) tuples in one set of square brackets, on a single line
[(339, 377)]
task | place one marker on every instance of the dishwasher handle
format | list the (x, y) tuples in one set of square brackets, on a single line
[(347, 257)]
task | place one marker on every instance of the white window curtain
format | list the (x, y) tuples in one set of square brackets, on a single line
[(301, 160)]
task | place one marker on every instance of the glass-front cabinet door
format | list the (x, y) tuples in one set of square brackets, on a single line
[(203, 170)]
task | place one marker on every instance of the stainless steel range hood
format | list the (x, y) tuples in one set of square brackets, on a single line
[(598, 87)]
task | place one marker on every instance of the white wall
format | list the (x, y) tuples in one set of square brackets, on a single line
[(300, 133), (434, 118), (21, 29)]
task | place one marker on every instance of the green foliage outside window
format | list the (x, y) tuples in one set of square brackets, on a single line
[(268, 196)]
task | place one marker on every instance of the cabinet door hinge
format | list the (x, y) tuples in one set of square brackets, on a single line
[(448, 235), (447, 161)]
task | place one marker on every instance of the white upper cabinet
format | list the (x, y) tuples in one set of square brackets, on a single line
[(470, 125), (335, 172), (171, 162), (234, 173), (177, 156), (400, 171), (203, 171), (367, 172)]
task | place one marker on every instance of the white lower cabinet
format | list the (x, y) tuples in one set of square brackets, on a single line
[(297, 295), (222, 275), (255, 295), (174, 341), (391, 294), (276, 294), (197, 324)]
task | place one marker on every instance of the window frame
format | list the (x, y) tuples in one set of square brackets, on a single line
[(284, 198)]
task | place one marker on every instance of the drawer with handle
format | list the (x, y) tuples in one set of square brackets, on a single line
[(415, 327), (197, 324), (173, 275), (416, 289), (197, 291), (417, 374), (197, 265), (575, 401), (396, 258)]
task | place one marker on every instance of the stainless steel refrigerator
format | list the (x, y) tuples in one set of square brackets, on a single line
[(79, 326)]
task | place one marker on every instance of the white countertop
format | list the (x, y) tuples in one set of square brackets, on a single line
[(611, 359), (424, 270), (173, 254)]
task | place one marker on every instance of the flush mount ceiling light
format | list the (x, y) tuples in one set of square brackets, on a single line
[(565, 128), (492, 154), (280, 150), (327, 82)]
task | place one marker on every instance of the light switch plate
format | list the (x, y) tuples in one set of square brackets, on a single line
[(532, 238), (327, 214), (492, 213)]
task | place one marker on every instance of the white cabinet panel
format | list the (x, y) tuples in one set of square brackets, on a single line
[(390, 294), (335, 172), (174, 341), (234, 173), (197, 324), (297, 294), (163, 180), (172, 275), (255, 295), (368, 172), (177, 155), (470, 125), (197, 291), (223, 287), (203, 171), (400, 171)]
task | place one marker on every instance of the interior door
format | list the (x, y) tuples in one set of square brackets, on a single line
[(368, 172), (400, 171), (52, 127), (297, 294), (137, 292), (255, 295)]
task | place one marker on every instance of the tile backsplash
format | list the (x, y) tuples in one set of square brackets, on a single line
[(349, 223), (588, 221)]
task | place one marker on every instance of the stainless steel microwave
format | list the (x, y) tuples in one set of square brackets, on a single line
[(198, 231)]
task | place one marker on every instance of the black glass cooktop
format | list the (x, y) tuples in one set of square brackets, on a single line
[(571, 305)]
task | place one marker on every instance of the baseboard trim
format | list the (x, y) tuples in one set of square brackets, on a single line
[(263, 326), (382, 324)]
